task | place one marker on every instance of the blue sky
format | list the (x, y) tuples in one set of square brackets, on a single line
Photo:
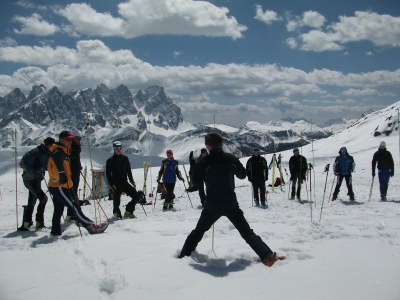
[(238, 59)]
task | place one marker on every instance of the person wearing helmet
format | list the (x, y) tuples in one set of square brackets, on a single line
[(384, 160), (118, 171), (343, 166), (168, 172), (61, 187), (298, 169)]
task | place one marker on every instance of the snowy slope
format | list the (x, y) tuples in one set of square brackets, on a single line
[(352, 253)]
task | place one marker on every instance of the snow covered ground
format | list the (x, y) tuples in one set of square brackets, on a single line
[(352, 253)]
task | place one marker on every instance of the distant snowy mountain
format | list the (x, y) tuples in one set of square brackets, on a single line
[(148, 123)]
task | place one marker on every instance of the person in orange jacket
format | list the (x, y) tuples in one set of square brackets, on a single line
[(61, 187)]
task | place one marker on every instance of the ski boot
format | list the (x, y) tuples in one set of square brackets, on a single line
[(167, 205), (70, 219), (129, 215), (257, 203), (25, 226), (334, 197), (39, 225), (269, 261), (97, 228), (291, 197)]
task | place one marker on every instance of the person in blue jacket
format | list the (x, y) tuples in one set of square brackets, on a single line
[(343, 167), (168, 172)]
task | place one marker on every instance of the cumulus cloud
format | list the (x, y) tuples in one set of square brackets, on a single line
[(145, 17), (35, 25), (380, 30), (91, 62), (267, 16), (7, 41)]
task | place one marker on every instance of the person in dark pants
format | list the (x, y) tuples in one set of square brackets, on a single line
[(168, 172), (193, 163), (61, 187), (76, 167), (257, 173), (118, 171), (34, 164), (343, 166), (384, 160), (298, 169), (218, 170)]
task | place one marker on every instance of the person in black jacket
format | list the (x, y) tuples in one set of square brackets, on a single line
[(200, 186), (384, 160), (76, 167), (118, 170), (34, 164), (218, 170), (257, 173), (298, 169)]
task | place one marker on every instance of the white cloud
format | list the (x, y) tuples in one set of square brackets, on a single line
[(145, 17), (177, 53), (291, 42), (91, 62), (381, 30), (35, 25), (268, 16), (313, 19)]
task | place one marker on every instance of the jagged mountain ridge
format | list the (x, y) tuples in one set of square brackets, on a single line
[(148, 122)]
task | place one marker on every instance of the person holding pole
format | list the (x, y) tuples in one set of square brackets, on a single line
[(298, 169), (218, 170), (384, 161), (257, 174), (61, 187), (118, 171), (343, 167), (168, 172)]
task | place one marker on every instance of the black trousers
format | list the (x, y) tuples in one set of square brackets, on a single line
[(128, 189), (296, 179), (259, 190), (348, 183), (202, 193), (75, 181), (209, 216), (35, 193), (64, 197), (169, 188)]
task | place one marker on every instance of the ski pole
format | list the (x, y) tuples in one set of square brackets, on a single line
[(184, 185), (370, 191), (323, 198), (16, 175)]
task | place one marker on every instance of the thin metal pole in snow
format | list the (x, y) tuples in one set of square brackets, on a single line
[(16, 175)]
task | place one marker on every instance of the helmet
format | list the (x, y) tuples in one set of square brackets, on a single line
[(117, 145)]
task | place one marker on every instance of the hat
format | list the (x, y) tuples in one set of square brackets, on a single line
[(169, 151), (117, 145), (296, 150), (382, 145), (49, 141), (203, 150), (76, 132), (65, 135), (256, 151), (343, 150)]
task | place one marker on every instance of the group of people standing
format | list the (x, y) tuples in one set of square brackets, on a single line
[(55, 157)]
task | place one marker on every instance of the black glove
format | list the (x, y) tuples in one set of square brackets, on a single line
[(158, 180), (373, 173), (62, 178), (391, 173)]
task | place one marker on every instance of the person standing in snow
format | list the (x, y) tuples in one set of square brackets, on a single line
[(61, 187), (298, 169), (118, 171), (167, 174), (343, 166), (218, 171), (384, 160), (76, 167), (200, 186), (34, 164), (257, 173)]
